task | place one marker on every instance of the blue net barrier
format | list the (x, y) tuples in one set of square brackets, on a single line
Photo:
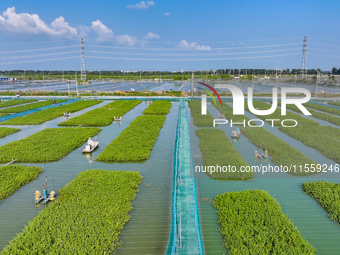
[(185, 235)]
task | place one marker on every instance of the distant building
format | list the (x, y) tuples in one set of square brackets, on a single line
[(3, 78)]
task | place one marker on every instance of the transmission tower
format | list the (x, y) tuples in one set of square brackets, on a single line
[(82, 67), (304, 59)]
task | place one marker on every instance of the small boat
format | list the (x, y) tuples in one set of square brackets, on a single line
[(90, 148), (235, 134)]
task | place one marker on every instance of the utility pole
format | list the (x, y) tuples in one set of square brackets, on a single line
[(317, 82), (76, 83), (192, 84), (304, 59), (68, 88), (82, 65), (140, 74)]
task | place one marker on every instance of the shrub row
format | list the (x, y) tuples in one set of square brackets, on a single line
[(327, 195), (4, 131), (252, 223), (160, 107), (216, 149), (102, 116), (134, 143), (50, 114), (199, 119), (87, 219), (48, 145), (15, 176), (22, 108), (16, 102), (324, 139)]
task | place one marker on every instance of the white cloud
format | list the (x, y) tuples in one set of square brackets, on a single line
[(167, 14), (141, 6), (151, 35), (25, 23), (126, 39), (106, 34), (192, 46), (103, 32), (147, 37)]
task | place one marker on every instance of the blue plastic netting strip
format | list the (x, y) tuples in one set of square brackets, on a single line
[(185, 235)]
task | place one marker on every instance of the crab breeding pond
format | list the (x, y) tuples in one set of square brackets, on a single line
[(146, 188)]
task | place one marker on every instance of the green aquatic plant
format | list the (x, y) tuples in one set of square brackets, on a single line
[(199, 119), (134, 143), (216, 149), (277, 115), (87, 218), (4, 131), (252, 223), (15, 176), (48, 145), (103, 116), (27, 107), (323, 108), (281, 152), (16, 102), (50, 114), (324, 139), (160, 107), (327, 195)]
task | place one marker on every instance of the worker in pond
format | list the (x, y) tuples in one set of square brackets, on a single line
[(238, 129), (53, 101), (90, 143)]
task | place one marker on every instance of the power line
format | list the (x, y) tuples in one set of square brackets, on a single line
[(40, 49), (171, 54), (38, 60), (179, 49), (203, 59), (40, 55)]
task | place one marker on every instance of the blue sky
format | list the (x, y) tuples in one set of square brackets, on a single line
[(168, 35)]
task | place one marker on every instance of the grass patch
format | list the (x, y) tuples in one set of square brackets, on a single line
[(16, 102), (199, 119), (252, 223), (327, 195), (161, 107), (216, 149), (134, 143), (50, 114), (324, 139), (48, 145), (27, 107), (87, 219), (102, 116), (4, 131), (15, 176)]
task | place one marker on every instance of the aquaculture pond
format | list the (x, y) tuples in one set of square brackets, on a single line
[(148, 229), (304, 212), (147, 232)]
